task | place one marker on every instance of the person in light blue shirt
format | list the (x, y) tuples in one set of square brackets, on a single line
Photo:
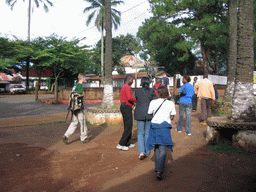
[(186, 93)]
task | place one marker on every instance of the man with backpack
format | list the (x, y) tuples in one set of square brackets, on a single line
[(77, 110)]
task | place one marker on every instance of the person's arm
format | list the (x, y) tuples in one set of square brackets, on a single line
[(130, 98), (196, 88)]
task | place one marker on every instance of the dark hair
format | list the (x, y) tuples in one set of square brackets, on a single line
[(145, 81), (187, 78), (128, 77), (163, 92)]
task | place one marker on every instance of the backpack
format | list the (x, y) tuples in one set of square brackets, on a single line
[(75, 103)]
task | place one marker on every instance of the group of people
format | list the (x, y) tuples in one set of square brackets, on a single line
[(153, 111)]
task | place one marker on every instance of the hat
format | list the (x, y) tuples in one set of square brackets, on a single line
[(145, 80)]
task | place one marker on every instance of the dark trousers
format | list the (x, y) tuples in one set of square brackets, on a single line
[(194, 102), (126, 111), (206, 109)]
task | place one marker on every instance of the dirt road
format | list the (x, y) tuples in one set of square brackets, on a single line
[(34, 158)]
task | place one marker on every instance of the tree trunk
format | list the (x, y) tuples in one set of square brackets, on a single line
[(108, 100), (56, 91), (27, 61), (205, 54), (102, 56), (232, 57), (243, 106)]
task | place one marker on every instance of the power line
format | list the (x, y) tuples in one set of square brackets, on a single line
[(121, 13)]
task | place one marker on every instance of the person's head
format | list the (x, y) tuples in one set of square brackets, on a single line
[(164, 74), (145, 81), (186, 79), (158, 81), (128, 79), (195, 78), (205, 76), (81, 77), (162, 92)]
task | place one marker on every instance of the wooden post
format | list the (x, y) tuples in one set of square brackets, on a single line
[(174, 85), (36, 91)]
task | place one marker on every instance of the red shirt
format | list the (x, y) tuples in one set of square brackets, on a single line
[(126, 95), (156, 87)]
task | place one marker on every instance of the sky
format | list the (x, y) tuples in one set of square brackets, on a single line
[(67, 20)]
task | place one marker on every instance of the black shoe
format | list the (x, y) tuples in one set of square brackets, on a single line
[(85, 141), (65, 140), (159, 176)]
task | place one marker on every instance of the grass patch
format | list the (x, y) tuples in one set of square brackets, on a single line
[(225, 146), (220, 113), (55, 122), (115, 106)]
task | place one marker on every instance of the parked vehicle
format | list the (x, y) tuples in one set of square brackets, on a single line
[(17, 88)]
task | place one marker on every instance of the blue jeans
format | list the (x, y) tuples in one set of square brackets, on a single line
[(160, 157), (143, 131), (185, 108)]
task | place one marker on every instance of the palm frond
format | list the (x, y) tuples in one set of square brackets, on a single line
[(90, 18)]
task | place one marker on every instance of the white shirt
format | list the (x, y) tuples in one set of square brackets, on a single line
[(164, 112)]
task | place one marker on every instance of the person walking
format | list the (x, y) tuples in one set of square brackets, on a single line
[(159, 138), (186, 93), (205, 92), (194, 98), (78, 116), (143, 96), (126, 106), (158, 84)]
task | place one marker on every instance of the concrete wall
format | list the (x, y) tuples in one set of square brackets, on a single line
[(91, 93)]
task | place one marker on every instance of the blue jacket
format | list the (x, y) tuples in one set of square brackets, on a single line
[(159, 134)]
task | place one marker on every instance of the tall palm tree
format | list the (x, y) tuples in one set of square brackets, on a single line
[(98, 8), (12, 3), (108, 99), (232, 57), (243, 107)]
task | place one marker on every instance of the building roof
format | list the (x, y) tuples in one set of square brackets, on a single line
[(130, 61), (5, 77), (139, 75), (34, 73)]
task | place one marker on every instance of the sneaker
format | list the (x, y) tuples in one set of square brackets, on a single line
[(159, 176), (131, 145), (65, 140), (203, 123), (178, 131), (85, 141), (142, 156), (189, 134), (124, 148)]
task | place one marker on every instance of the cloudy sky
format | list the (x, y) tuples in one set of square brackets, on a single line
[(67, 19)]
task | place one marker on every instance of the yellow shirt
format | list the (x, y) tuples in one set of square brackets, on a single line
[(204, 88)]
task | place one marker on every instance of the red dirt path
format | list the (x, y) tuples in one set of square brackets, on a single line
[(33, 158)]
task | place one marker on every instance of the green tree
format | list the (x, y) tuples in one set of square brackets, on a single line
[(243, 103), (165, 46), (45, 3), (199, 22), (98, 8), (61, 57)]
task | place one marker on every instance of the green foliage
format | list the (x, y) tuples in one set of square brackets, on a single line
[(225, 146), (203, 23), (169, 50)]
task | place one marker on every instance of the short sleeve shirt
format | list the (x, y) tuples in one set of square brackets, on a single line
[(189, 93), (164, 112)]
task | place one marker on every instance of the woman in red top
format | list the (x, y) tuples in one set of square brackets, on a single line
[(158, 84)]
